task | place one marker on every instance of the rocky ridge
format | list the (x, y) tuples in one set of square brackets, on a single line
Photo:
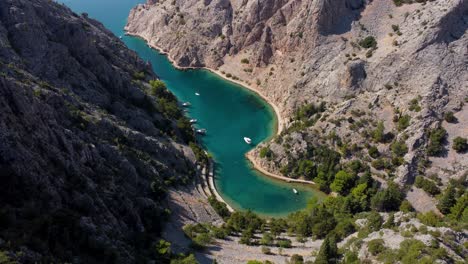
[(86, 151)]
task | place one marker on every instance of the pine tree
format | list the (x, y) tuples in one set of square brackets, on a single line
[(328, 253), (447, 200), (458, 209)]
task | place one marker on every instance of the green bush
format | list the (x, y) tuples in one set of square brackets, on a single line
[(387, 199), (368, 42), (343, 182), (376, 246), (379, 133), (245, 61), (139, 76), (450, 117), (403, 122), (436, 141), (460, 144), (284, 243), (374, 152), (414, 105), (399, 148), (266, 250), (266, 152), (427, 185), (219, 207), (296, 259)]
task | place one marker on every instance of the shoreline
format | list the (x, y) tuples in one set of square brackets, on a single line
[(279, 119)]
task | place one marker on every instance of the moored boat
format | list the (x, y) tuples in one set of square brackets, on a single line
[(295, 191), (201, 131), (248, 140)]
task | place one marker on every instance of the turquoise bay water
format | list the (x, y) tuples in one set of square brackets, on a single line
[(228, 112)]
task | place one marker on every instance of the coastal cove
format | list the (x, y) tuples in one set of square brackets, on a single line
[(228, 110)]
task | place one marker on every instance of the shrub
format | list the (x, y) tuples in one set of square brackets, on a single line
[(395, 28), (343, 182), (266, 152), (460, 144), (430, 218), (436, 139), (219, 207), (403, 122), (368, 42), (374, 152), (376, 246), (387, 200), (266, 250), (414, 105), (399, 148), (284, 243), (427, 185), (139, 76), (296, 259), (450, 117), (379, 133), (406, 207), (245, 61)]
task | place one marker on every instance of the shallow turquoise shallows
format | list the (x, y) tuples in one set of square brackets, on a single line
[(226, 110)]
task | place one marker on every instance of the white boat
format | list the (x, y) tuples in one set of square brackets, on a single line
[(201, 131), (186, 104), (193, 121), (295, 191), (248, 140), (120, 37), (197, 94)]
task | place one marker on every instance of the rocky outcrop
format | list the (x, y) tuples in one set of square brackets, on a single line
[(85, 155)]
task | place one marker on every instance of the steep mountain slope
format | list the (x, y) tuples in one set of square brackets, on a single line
[(366, 61), (87, 145)]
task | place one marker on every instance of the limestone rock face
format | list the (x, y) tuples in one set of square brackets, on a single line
[(319, 51), (84, 155)]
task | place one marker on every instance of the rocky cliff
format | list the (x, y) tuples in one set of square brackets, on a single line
[(86, 151), (399, 62)]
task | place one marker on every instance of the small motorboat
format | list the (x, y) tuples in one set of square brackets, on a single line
[(120, 37), (201, 131), (197, 94), (248, 140), (193, 121), (186, 104), (295, 191)]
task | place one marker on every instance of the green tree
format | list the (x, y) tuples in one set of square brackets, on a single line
[(296, 259), (388, 199), (447, 200), (379, 133), (267, 239), (460, 144), (460, 208), (376, 246), (403, 122), (450, 117), (343, 182), (399, 148), (427, 185), (436, 141), (190, 259), (163, 248), (368, 42), (406, 207), (328, 253), (246, 237)]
